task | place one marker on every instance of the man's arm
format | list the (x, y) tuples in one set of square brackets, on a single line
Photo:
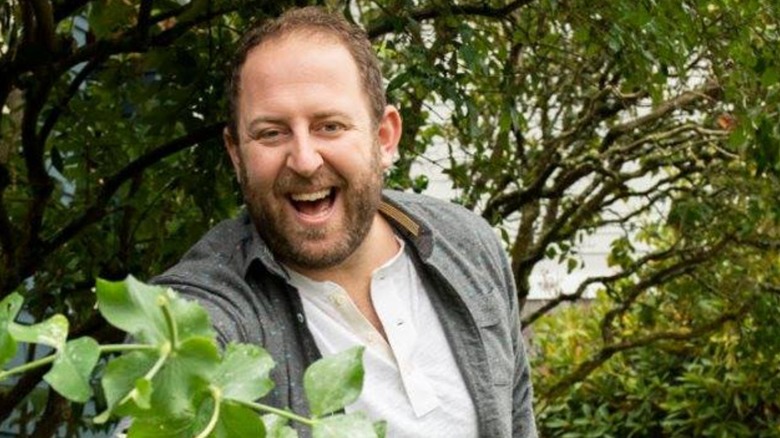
[(523, 420)]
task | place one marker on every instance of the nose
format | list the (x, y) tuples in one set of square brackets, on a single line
[(304, 157)]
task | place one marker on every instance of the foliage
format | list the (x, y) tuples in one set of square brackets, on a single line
[(723, 384), (174, 382), (552, 119)]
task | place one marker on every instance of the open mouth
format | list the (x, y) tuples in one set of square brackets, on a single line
[(314, 204)]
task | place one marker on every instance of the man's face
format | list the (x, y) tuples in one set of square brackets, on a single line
[(309, 158)]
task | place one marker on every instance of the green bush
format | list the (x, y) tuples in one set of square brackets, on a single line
[(722, 385)]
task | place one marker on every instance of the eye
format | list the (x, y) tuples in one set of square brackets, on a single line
[(269, 135), (331, 127)]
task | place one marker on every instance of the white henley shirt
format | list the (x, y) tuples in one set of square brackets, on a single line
[(411, 379)]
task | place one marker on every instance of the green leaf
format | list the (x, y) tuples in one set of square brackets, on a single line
[(380, 427), (172, 393), (71, 371), (160, 427), (136, 308), (184, 376), (276, 427), (120, 377), (108, 16), (192, 320), (9, 308), (52, 332), (334, 382), (142, 396), (236, 421), (571, 265), (243, 373), (354, 425)]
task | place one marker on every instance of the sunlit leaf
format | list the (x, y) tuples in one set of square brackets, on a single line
[(349, 425), (380, 427), (142, 396), (160, 427), (334, 382), (243, 373), (52, 332), (70, 374), (236, 421), (9, 308), (277, 427), (136, 308), (185, 375), (120, 377), (133, 307)]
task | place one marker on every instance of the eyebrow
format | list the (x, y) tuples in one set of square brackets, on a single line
[(264, 119), (328, 114), (321, 115)]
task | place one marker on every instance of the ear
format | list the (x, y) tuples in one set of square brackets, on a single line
[(388, 135), (231, 145)]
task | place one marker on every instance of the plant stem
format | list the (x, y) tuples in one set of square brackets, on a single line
[(28, 366), (104, 349), (121, 348), (216, 394), (163, 302), (165, 352), (282, 413)]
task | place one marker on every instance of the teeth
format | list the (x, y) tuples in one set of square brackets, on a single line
[(314, 196)]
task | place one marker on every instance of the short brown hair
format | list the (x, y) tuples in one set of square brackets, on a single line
[(317, 21)]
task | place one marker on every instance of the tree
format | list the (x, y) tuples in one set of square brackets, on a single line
[(566, 116), (655, 117)]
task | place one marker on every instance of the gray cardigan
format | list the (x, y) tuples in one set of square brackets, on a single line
[(234, 275)]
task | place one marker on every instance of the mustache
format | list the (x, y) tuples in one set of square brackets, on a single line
[(288, 180)]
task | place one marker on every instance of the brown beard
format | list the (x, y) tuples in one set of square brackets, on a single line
[(360, 197)]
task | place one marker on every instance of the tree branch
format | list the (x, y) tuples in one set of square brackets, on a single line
[(584, 369), (66, 8), (385, 25), (135, 40), (7, 232), (44, 23), (605, 279), (144, 13), (33, 152), (94, 212), (659, 277), (709, 91), (73, 88)]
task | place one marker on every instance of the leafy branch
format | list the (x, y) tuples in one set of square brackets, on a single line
[(174, 379), (585, 368)]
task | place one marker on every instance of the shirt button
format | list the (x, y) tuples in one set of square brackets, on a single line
[(301, 319), (338, 300)]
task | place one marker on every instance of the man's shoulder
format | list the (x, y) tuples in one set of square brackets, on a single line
[(222, 250), (438, 215)]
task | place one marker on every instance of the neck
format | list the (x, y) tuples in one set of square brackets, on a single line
[(377, 248), (354, 274)]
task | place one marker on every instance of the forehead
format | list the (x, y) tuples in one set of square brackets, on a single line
[(307, 66), (299, 52)]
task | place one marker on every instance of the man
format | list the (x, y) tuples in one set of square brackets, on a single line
[(323, 259)]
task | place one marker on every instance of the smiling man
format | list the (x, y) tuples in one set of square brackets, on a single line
[(324, 259)]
